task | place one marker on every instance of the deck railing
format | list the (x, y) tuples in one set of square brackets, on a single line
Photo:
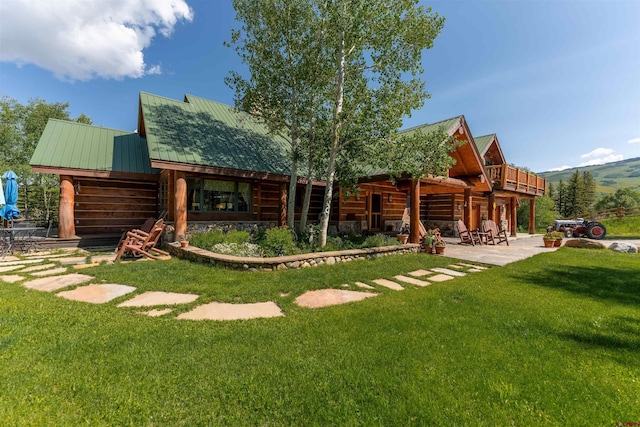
[(509, 178)]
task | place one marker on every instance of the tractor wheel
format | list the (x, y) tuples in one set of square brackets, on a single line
[(596, 231), (568, 232)]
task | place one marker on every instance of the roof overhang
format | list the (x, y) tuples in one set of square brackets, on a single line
[(469, 164), (214, 170), (88, 173)]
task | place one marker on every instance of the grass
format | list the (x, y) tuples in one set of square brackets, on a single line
[(554, 339), (628, 226)]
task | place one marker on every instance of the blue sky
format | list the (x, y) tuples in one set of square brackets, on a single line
[(557, 81)]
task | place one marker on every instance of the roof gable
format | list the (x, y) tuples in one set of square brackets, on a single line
[(490, 149), (207, 133), (71, 145)]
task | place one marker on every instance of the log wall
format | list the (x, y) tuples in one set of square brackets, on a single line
[(112, 206)]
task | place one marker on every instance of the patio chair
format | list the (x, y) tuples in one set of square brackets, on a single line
[(146, 227), (138, 243), (467, 236), (493, 234)]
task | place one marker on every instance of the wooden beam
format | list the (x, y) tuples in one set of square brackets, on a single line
[(180, 210), (66, 216), (468, 201), (87, 173), (532, 216), (514, 218), (283, 205), (171, 200), (414, 222), (213, 170), (491, 210)]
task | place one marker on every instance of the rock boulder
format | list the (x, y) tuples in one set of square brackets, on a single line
[(624, 247), (584, 243)]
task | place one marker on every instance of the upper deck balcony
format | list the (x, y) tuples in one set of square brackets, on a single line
[(506, 177)]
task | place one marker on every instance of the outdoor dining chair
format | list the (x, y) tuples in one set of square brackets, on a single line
[(467, 236), (493, 234)]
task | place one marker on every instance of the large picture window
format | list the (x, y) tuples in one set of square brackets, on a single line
[(209, 195)]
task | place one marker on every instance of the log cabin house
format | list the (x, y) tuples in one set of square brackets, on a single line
[(200, 161)]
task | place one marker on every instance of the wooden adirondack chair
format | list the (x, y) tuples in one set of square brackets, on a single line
[(493, 234), (468, 236), (139, 243), (146, 227)]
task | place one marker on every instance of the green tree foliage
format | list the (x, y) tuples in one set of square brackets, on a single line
[(545, 213), (577, 197), (20, 129), (359, 64), (625, 197)]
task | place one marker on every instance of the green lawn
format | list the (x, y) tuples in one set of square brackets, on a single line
[(627, 227), (552, 340)]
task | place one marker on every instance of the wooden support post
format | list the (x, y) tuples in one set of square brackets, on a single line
[(514, 218), (66, 216), (414, 221), (180, 210), (532, 216), (468, 200), (491, 209), (283, 205), (171, 186)]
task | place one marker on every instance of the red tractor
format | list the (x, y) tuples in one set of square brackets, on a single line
[(579, 227)]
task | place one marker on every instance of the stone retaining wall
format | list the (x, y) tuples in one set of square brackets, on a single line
[(193, 253)]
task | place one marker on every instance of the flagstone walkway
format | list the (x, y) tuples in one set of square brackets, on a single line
[(55, 273)]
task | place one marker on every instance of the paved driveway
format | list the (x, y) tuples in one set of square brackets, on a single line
[(524, 246)]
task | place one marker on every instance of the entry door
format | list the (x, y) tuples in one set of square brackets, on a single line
[(375, 215)]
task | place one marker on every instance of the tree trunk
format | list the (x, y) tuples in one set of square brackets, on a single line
[(335, 144), (291, 199)]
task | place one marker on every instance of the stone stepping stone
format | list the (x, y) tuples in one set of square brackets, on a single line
[(156, 313), (328, 297), (448, 272), (151, 298), (388, 284), (20, 262), (473, 266), (99, 258), (58, 270), (83, 266), (420, 273), (97, 294), (364, 285), (474, 270), (411, 280), (441, 278), (10, 268), (9, 258), (456, 266), (49, 284), (11, 278), (44, 256), (72, 260), (225, 311), (38, 268)]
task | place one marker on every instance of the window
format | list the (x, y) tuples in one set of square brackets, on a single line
[(209, 195)]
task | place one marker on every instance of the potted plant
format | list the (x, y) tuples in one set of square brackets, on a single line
[(549, 239), (558, 241), (403, 235), (427, 243), (439, 245)]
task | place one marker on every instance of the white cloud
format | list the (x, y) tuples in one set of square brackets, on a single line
[(561, 168), (603, 160), (634, 141), (154, 70), (81, 40), (598, 152)]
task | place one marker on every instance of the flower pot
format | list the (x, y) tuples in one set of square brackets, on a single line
[(549, 243), (184, 243), (440, 250), (557, 243), (402, 238)]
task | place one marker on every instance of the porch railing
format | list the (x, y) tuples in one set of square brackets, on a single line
[(509, 178)]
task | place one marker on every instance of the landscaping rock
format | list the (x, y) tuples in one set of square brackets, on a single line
[(327, 297), (331, 260), (584, 243), (624, 247)]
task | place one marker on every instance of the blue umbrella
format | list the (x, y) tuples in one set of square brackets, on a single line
[(10, 210)]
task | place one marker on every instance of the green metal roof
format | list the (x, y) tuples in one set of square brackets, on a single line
[(428, 127), (207, 133), (71, 145), (482, 142)]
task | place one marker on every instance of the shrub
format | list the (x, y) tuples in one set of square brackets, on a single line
[(379, 240), (236, 236), (278, 242), (207, 239), (237, 249)]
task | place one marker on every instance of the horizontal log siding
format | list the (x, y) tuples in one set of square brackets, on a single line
[(440, 207), (109, 206), (357, 210)]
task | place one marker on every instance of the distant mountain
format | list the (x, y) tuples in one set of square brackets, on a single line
[(609, 177)]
